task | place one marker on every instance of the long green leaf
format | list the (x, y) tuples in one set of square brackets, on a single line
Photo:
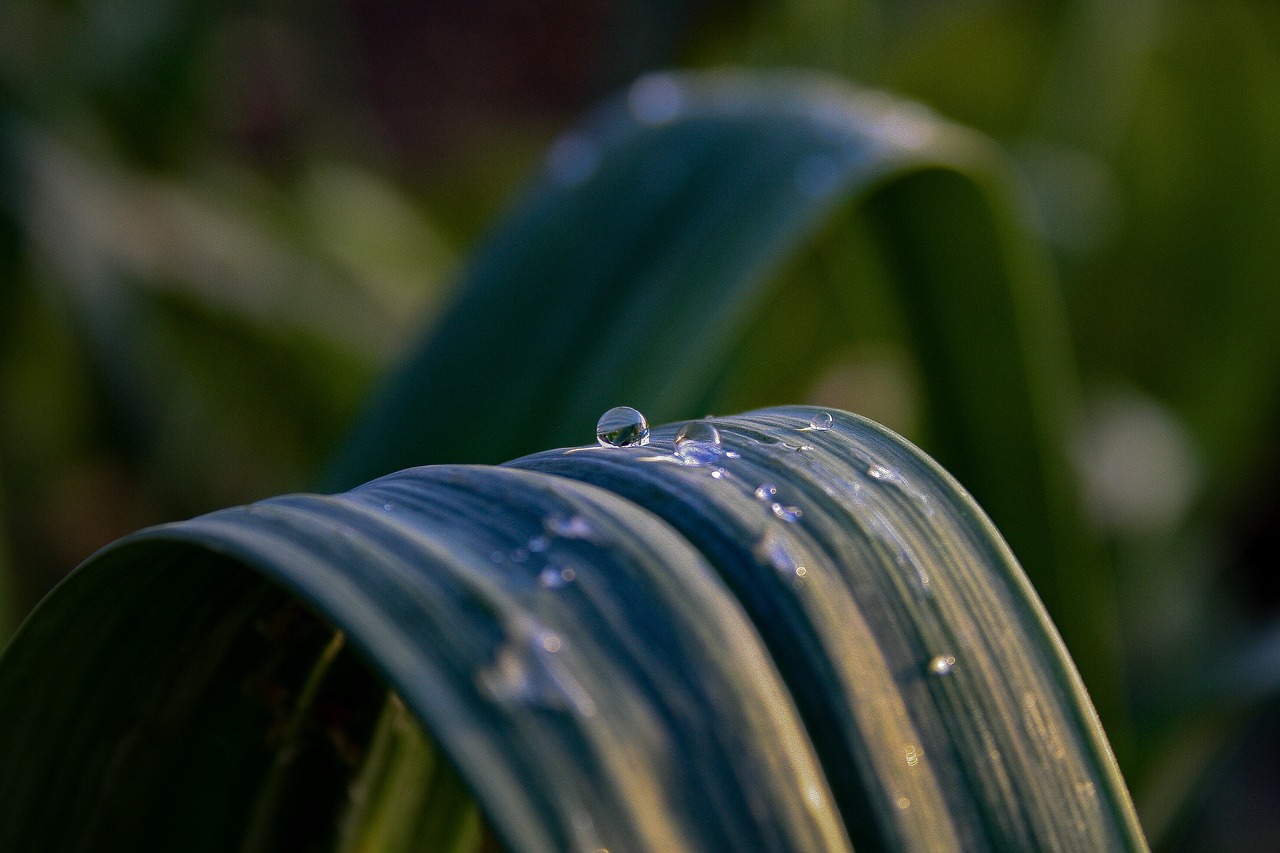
[(863, 658), (638, 262)]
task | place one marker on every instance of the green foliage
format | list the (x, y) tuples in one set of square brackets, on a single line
[(857, 653), (217, 224)]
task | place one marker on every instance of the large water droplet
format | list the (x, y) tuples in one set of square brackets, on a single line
[(698, 443), (942, 665), (568, 526), (820, 421), (622, 426)]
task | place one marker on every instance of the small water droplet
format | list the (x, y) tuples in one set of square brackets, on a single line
[(912, 754), (719, 473), (766, 492), (655, 99), (622, 426), (551, 643), (698, 443), (387, 507), (879, 472), (788, 514), (820, 421), (538, 544), (554, 577), (942, 664), (732, 454), (772, 550), (904, 803), (568, 526)]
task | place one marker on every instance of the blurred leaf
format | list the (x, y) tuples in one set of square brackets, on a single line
[(590, 672), (641, 261)]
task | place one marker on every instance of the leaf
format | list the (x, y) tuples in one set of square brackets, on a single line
[(598, 676), (640, 260)]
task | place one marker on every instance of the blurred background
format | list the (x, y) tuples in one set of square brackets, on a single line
[(220, 221)]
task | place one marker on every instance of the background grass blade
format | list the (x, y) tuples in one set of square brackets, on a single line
[(624, 701), (942, 703), (663, 218)]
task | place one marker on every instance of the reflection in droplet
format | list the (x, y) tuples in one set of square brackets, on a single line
[(622, 426), (820, 421), (942, 664), (912, 754), (572, 159), (655, 99), (698, 443), (568, 526)]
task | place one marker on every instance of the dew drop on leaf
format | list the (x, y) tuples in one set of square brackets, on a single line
[(942, 665), (820, 421), (622, 426), (568, 526), (698, 443), (788, 514), (766, 492)]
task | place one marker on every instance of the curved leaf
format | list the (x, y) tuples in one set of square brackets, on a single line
[(938, 695), (600, 677), (641, 258)]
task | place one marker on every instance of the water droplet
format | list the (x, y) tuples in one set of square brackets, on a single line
[(568, 526), (655, 99), (788, 514), (538, 544), (698, 443), (772, 550), (387, 507), (904, 803), (553, 577), (572, 159), (942, 665), (820, 421), (519, 555), (720, 474), (528, 670), (879, 472), (766, 492), (622, 426), (912, 754), (732, 454)]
